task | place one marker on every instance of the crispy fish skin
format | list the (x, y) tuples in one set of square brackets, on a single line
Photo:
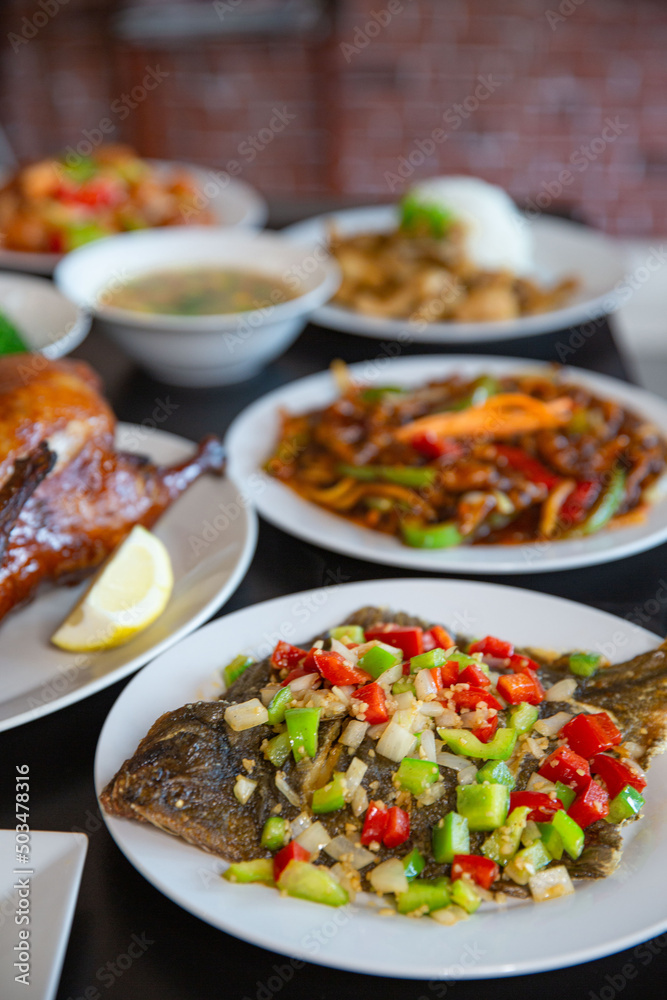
[(182, 775)]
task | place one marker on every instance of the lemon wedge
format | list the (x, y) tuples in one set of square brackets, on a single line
[(126, 595)]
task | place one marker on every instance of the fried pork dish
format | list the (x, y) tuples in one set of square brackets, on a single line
[(54, 206), (391, 756), (509, 459), (67, 496)]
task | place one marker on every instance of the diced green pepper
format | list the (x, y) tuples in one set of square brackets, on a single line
[(450, 836), (523, 717), (234, 669), (331, 796), (434, 894), (604, 507), (302, 727), (276, 833), (497, 773), (565, 794), (465, 894), (76, 234), (527, 862), (277, 750), (376, 394), (462, 741), (625, 805), (403, 475), (11, 341), (260, 870), (503, 843), (426, 661), (81, 170), (403, 685), (278, 705), (416, 775), (354, 633), (413, 864), (552, 840), (584, 664), (484, 806), (378, 659), (570, 832), (421, 535), (307, 881), (483, 387)]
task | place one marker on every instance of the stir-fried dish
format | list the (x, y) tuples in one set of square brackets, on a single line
[(55, 205), (392, 756), (491, 459)]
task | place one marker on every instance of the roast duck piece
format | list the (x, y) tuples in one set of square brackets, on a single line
[(67, 497)]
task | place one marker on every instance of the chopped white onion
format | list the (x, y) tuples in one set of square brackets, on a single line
[(340, 872), (431, 708), (359, 803), (354, 776), (553, 725), (396, 742), (243, 788), (389, 876), (404, 701), (246, 715), (536, 783), (390, 676), (472, 720), (299, 824), (343, 693), (375, 732), (287, 790), (353, 734), (550, 884), (348, 654), (425, 686), (314, 838), (634, 749), (467, 776), (427, 745), (561, 690), (343, 849), (449, 915), (267, 693), (446, 759), (448, 719), (304, 683)]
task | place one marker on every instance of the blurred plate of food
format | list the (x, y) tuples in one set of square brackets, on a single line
[(459, 464), (56, 205), (35, 316), (457, 262)]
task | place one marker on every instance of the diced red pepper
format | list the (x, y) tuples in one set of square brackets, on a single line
[(616, 774), (474, 676), (567, 766), (436, 674), (490, 646), (374, 697), (375, 823), (397, 829), (337, 670), (589, 735), (487, 730), (291, 852), (469, 699), (286, 657), (531, 468), (433, 447), (408, 639), (481, 870), (450, 673), (575, 505), (591, 804), (542, 806), (515, 688), (520, 664), (437, 638)]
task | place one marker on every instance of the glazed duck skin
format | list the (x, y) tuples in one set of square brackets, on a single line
[(67, 497)]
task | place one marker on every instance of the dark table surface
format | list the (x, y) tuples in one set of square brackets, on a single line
[(182, 958)]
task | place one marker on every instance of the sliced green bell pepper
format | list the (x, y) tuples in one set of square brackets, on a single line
[(378, 659), (565, 794), (527, 862), (503, 843), (484, 806), (450, 836), (482, 388), (354, 633), (375, 394), (276, 833), (570, 832), (420, 535), (307, 881), (331, 796), (237, 666), (413, 864), (462, 741), (277, 750), (434, 894), (584, 664), (416, 775), (496, 773), (403, 685), (522, 717), (260, 870), (552, 840), (426, 661), (625, 805), (465, 894), (604, 507), (302, 727), (278, 705), (414, 476)]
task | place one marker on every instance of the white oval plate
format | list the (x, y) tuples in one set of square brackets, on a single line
[(253, 434), (38, 679), (493, 943), (48, 321), (232, 201), (561, 249)]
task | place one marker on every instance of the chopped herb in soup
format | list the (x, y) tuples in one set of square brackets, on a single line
[(197, 291)]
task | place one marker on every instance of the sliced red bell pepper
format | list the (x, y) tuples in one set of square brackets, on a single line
[(433, 447), (523, 687), (436, 674), (490, 646), (374, 697), (567, 766), (410, 640), (542, 806), (286, 657), (437, 638), (589, 735), (450, 673), (591, 804), (469, 699), (481, 870), (616, 774), (291, 852), (487, 730), (375, 823), (474, 676), (531, 468), (575, 505), (337, 670), (520, 664), (397, 830)]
